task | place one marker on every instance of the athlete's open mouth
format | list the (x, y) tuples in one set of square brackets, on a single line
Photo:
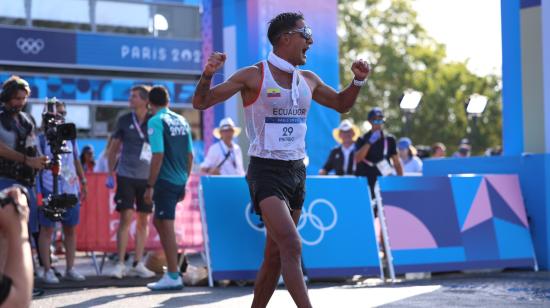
[(304, 51)]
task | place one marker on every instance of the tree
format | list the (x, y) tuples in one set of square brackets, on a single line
[(404, 56)]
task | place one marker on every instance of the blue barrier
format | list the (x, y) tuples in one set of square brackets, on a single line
[(534, 175), (454, 223), (337, 228)]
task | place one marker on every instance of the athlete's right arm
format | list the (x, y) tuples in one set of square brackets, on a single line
[(206, 97)]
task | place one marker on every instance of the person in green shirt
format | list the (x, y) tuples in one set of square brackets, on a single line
[(172, 157)]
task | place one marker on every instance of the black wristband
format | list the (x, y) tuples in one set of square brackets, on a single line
[(149, 185)]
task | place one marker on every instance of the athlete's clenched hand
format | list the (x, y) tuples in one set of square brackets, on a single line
[(215, 62)]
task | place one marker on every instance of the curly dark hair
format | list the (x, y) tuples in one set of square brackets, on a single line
[(282, 23), (11, 86)]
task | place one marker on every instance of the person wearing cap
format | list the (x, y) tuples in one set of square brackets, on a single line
[(224, 157), (341, 158), (412, 164), (376, 153), (438, 150), (464, 149)]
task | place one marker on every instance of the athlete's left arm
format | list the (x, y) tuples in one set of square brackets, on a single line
[(340, 101)]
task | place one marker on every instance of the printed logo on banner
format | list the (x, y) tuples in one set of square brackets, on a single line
[(160, 54), (37, 46), (30, 45), (308, 217), (139, 52)]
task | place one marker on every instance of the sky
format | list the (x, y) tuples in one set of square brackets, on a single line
[(470, 29)]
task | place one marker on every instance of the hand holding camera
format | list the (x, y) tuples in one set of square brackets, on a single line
[(37, 162)]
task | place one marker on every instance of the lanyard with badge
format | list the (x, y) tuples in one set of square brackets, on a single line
[(226, 155), (146, 153), (383, 165)]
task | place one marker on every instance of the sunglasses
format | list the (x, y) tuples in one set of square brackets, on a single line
[(305, 32), (378, 121)]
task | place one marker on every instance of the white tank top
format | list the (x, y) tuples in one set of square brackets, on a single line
[(276, 128)]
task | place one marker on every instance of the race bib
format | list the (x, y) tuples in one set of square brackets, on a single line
[(146, 153), (384, 167), (285, 133)]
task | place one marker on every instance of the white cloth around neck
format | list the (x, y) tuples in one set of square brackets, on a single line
[(285, 66)]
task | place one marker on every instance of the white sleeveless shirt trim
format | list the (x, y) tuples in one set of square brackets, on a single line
[(275, 126)]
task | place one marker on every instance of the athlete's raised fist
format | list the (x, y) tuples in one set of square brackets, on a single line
[(360, 69), (215, 62)]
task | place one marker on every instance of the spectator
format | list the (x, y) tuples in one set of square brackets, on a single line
[(87, 159), (172, 148), (68, 183), (132, 170), (377, 151), (16, 279), (224, 157), (412, 164), (341, 158), (438, 150), (102, 163), (19, 156), (496, 151), (464, 150)]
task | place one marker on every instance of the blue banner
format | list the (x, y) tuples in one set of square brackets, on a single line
[(454, 223), (99, 91), (24, 45), (139, 52), (100, 51), (336, 227)]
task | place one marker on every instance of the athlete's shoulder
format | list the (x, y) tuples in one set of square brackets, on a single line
[(252, 71), (313, 79), (309, 74)]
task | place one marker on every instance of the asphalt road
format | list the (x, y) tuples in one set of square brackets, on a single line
[(507, 289)]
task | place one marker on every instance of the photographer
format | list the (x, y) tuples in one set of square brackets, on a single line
[(68, 183), (16, 277), (19, 159)]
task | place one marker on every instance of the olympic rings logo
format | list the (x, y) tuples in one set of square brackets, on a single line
[(30, 45), (309, 215)]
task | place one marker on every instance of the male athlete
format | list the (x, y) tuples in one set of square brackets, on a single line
[(277, 97)]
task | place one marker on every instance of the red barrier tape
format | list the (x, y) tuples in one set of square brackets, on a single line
[(99, 220)]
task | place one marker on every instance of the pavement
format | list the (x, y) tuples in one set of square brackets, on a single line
[(474, 289)]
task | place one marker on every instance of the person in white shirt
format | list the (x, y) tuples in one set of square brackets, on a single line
[(224, 157), (340, 158), (412, 164)]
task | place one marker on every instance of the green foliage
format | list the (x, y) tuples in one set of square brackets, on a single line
[(403, 56)]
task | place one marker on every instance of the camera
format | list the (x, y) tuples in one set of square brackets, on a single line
[(56, 205), (57, 133)]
